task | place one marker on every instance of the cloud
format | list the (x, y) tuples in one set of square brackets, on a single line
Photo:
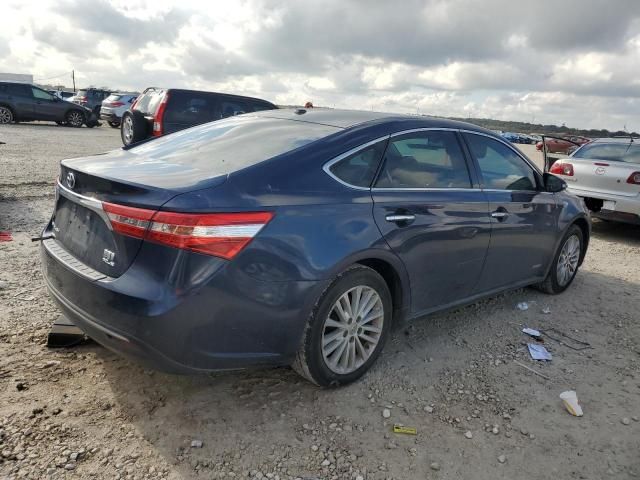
[(574, 61)]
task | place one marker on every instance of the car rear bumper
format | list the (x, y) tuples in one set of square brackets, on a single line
[(615, 207), (212, 318), (110, 117)]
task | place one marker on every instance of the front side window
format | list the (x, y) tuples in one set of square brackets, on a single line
[(430, 159), (41, 94), (359, 169), (501, 167)]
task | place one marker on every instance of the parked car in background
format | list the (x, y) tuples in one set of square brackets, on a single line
[(516, 137), (159, 111), (606, 173), (299, 237), (556, 145), (61, 94), (114, 106), (91, 98), (21, 102)]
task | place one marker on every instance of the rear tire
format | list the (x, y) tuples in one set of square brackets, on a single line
[(566, 262), (347, 328), (6, 115), (75, 118), (133, 127), (114, 124)]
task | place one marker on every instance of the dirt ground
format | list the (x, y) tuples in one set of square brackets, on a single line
[(455, 377)]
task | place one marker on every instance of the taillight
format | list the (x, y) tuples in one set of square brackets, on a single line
[(157, 119), (129, 221), (219, 234), (562, 169), (82, 99), (116, 104), (634, 178)]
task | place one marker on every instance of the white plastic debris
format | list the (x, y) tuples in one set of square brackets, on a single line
[(546, 310), (196, 443), (538, 352), (570, 400), (532, 332), (522, 306)]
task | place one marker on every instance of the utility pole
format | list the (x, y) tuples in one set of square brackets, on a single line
[(73, 78)]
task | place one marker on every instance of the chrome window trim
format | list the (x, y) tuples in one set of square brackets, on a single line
[(330, 163), (89, 202), (327, 166), (434, 189)]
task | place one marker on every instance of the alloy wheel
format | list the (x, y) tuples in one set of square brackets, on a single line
[(75, 119), (127, 129), (568, 260), (352, 330), (5, 115)]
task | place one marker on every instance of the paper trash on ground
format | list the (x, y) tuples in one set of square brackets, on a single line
[(538, 352), (531, 332)]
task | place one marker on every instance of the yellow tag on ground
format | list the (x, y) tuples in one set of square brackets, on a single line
[(405, 430)]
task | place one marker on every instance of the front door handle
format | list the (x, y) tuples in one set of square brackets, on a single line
[(499, 215), (400, 217)]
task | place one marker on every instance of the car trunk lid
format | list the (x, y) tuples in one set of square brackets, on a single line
[(604, 176)]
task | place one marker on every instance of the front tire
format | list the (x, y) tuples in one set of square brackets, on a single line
[(347, 328), (75, 118), (6, 115), (565, 262)]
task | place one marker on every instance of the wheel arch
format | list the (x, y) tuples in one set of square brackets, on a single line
[(583, 224), (13, 112), (391, 269)]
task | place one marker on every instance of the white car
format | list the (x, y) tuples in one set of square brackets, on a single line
[(114, 106), (606, 174)]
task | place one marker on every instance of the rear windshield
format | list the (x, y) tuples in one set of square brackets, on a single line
[(232, 144), (114, 98), (616, 152), (149, 102), (82, 93)]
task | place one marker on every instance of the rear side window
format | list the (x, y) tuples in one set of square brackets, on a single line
[(229, 108), (189, 108), (430, 159), (231, 144), (501, 167), (359, 168), (615, 152), (15, 89)]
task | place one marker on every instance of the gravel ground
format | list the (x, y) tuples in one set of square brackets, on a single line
[(455, 377)]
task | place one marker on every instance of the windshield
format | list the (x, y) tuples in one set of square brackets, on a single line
[(615, 152), (228, 145)]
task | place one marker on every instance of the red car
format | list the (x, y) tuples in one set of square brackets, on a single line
[(556, 145)]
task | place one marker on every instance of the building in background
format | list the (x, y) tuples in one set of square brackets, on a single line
[(16, 77)]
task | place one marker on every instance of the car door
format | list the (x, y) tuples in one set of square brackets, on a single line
[(434, 216), (47, 106), (20, 98), (523, 216)]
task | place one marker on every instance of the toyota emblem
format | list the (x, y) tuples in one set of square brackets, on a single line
[(71, 180)]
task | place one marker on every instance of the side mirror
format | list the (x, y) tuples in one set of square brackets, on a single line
[(553, 184)]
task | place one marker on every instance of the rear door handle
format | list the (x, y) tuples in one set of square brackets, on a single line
[(405, 217)]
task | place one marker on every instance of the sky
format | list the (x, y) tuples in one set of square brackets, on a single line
[(573, 62)]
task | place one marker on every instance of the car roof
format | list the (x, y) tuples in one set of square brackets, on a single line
[(350, 118), (616, 140), (159, 89)]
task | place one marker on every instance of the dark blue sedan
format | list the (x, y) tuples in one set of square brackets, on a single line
[(295, 237)]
